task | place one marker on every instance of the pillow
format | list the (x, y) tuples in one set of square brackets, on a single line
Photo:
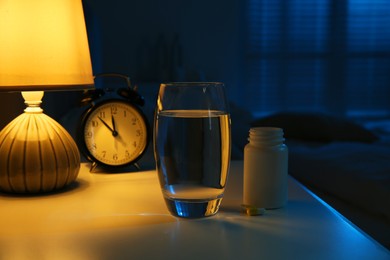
[(317, 127)]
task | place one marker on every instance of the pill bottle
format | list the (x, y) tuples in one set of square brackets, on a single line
[(265, 169)]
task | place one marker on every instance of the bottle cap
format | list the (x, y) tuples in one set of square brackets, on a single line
[(252, 211)]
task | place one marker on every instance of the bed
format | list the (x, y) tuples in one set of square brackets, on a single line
[(345, 163)]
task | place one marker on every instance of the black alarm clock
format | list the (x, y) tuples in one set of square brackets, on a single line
[(114, 132)]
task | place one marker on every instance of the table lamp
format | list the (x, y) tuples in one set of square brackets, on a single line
[(43, 47)]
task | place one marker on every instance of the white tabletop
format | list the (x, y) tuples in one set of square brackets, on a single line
[(123, 216)]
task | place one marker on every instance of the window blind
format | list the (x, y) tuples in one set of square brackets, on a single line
[(368, 71), (318, 55)]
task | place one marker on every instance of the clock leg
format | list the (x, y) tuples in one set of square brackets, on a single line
[(136, 165), (93, 167)]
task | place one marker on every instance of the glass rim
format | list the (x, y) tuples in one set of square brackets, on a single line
[(192, 84)]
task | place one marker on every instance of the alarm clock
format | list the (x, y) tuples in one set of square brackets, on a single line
[(114, 131)]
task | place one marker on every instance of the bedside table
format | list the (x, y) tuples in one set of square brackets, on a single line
[(123, 216)]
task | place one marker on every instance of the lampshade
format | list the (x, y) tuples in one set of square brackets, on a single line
[(43, 46)]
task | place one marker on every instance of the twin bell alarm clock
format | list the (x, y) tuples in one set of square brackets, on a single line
[(114, 132)]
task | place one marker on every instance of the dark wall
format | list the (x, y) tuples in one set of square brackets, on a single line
[(138, 38)]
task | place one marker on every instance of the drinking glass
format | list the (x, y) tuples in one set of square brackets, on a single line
[(192, 144)]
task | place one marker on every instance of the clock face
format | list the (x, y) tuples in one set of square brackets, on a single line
[(115, 133)]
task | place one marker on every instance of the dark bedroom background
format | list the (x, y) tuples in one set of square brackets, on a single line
[(273, 55), (323, 55)]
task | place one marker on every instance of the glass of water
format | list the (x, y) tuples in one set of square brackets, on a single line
[(192, 144)]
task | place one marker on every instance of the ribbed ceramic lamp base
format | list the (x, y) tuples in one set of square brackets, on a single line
[(36, 155)]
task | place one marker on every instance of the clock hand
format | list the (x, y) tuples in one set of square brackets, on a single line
[(114, 133), (121, 140)]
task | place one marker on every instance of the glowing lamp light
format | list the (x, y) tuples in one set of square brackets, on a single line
[(43, 47)]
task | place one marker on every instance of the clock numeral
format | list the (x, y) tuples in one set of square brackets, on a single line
[(104, 154), (102, 114), (95, 123), (115, 157), (138, 133), (135, 144), (114, 110), (127, 154), (94, 146), (124, 113), (88, 134), (134, 120)]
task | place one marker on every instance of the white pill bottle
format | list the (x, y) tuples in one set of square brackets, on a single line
[(265, 169)]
